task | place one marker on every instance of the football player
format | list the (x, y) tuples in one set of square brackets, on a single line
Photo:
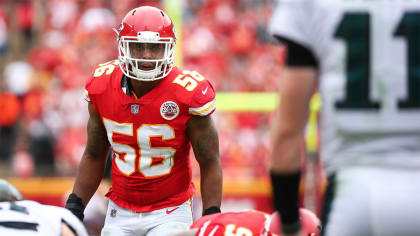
[(248, 223), (363, 58), (150, 113), (24, 217)]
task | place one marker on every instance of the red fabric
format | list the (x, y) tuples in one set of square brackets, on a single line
[(133, 189), (25, 15), (203, 94), (240, 223), (10, 107)]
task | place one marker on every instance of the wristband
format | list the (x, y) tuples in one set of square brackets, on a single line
[(211, 210), (285, 196), (291, 228), (75, 205)]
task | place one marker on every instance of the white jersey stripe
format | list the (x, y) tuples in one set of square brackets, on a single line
[(204, 110), (203, 228), (86, 95), (214, 230)]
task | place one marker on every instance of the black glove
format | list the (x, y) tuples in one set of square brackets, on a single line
[(211, 210), (75, 205)]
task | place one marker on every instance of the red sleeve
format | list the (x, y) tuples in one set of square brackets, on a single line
[(98, 81), (203, 102)]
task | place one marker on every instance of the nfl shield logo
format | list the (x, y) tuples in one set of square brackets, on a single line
[(113, 213), (135, 109)]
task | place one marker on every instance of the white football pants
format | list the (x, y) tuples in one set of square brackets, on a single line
[(162, 222), (374, 201)]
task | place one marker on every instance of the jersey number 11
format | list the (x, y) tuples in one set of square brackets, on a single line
[(354, 28)]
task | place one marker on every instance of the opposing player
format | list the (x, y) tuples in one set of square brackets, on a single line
[(23, 217), (150, 112), (248, 223), (363, 57)]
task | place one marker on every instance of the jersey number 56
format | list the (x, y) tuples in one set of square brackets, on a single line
[(126, 155)]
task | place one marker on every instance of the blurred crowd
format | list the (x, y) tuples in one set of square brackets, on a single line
[(48, 48)]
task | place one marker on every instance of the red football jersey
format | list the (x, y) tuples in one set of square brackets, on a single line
[(244, 223), (151, 166)]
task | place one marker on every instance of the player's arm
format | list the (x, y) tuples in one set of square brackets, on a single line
[(65, 230), (205, 144), (92, 165), (296, 87)]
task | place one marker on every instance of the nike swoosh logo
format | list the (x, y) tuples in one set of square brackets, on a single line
[(205, 90), (170, 211)]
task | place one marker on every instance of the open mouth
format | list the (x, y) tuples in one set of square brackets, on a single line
[(146, 66)]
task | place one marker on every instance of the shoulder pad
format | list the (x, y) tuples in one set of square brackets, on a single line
[(195, 92), (101, 77), (203, 101)]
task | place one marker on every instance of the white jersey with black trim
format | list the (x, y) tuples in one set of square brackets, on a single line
[(369, 76), (25, 218)]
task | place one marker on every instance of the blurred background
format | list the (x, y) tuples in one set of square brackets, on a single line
[(48, 48)]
